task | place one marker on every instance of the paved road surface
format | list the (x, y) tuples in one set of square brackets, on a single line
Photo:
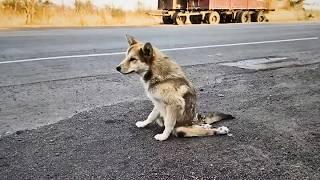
[(63, 82)]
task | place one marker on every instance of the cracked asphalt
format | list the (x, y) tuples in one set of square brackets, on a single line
[(74, 118)]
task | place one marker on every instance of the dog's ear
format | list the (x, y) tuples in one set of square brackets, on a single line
[(131, 40), (147, 50)]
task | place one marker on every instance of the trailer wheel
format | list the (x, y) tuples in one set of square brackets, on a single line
[(243, 17), (259, 17), (213, 18), (178, 19), (167, 20)]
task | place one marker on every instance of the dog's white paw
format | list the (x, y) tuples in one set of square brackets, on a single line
[(222, 130), (141, 124), (161, 137)]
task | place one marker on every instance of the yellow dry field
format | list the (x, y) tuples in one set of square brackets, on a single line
[(282, 15), (69, 18)]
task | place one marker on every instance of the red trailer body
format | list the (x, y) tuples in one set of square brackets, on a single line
[(234, 4), (212, 4), (219, 4), (213, 11), (238, 4), (172, 4), (258, 4)]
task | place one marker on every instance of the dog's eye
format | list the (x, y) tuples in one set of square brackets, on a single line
[(132, 59)]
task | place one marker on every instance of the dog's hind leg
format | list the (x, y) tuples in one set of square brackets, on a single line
[(155, 114)]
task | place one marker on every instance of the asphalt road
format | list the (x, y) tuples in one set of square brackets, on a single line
[(65, 113)]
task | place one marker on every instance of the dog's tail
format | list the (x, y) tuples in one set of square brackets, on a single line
[(202, 126), (196, 130), (213, 117)]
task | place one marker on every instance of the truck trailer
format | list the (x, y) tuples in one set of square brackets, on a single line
[(213, 11)]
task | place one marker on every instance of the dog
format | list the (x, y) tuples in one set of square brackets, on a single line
[(173, 95)]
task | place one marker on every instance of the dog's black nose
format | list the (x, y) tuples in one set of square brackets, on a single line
[(118, 68)]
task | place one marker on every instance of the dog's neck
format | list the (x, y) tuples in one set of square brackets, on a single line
[(147, 76), (161, 69)]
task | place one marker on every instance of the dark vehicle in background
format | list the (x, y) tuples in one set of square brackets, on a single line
[(213, 11)]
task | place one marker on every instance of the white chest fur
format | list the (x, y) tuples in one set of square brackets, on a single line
[(152, 95)]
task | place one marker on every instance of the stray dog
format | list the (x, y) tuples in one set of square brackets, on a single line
[(172, 94)]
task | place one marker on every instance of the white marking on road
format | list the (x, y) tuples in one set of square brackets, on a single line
[(260, 63), (62, 57), (269, 63), (170, 49), (241, 44)]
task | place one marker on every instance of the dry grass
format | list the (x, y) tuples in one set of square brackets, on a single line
[(313, 15), (291, 15), (287, 11), (67, 18), (283, 15), (53, 15)]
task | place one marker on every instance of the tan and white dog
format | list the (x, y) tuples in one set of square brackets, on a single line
[(172, 94)]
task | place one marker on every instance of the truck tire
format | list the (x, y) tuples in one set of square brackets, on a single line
[(243, 17), (259, 17), (167, 20), (213, 18), (236, 18), (178, 19)]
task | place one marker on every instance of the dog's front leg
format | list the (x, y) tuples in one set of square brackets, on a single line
[(152, 116), (170, 119)]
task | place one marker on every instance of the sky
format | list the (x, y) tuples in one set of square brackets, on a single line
[(124, 4)]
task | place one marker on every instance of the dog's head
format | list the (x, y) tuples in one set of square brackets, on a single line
[(138, 59)]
